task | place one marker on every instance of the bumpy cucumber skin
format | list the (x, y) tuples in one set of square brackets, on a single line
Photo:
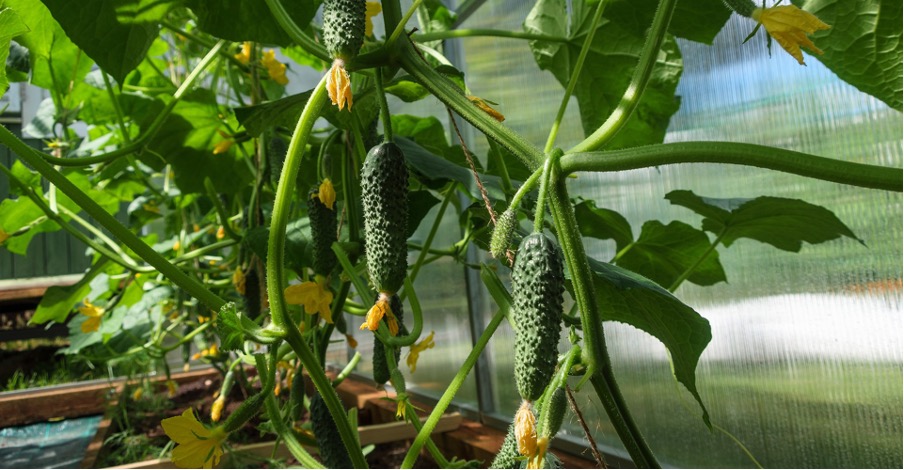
[(343, 27), (538, 285), (503, 233), (324, 231), (551, 419), (384, 194), (381, 368), (332, 451), (508, 453)]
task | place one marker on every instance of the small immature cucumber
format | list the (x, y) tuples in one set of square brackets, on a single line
[(252, 294), (381, 368), (503, 233), (332, 450), (508, 456), (384, 194), (343, 27), (538, 286), (552, 414), (324, 231)]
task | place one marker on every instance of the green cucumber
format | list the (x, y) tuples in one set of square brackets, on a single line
[(538, 286), (332, 450), (384, 194), (344, 24), (503, 233), (324, 231), (508, 456)]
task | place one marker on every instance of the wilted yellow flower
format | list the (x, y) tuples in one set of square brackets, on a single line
[(537, 460), (373, 9), (3, 236), (275, 68), (416, 349), (211, 351), (198, 447), (327, 194), (482, 104), (375, 314), (401, 405), (526, 430), (352, 342), (238, 280), (137, 393), (245, 56), (315, 297), (216, 410), (789, 26), (221, 233), (339, 85), (94, 314)]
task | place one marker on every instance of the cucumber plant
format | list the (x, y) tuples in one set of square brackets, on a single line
[(192, 125)]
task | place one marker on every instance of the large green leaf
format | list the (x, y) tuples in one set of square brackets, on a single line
[(250, 20), (58, 301), (10, 26), (604, 224), (186, 141), (609, 65), (863, 47), (629, 298), (115, 33), (435, 172), (56, 62), (664, 252), (780, 222)]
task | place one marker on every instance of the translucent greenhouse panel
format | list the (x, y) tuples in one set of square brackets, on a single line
[(805, 365)]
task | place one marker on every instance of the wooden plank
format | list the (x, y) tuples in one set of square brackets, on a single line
[(372, 434), (41, 404), (55, 331)]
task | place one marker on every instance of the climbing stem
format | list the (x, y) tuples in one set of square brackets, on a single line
[(384, 106), (300, 37), (400, 26), (276, 420), (648, 55), (525, 188), (575, 74), (499, 33), (220, 210), (430, 424), (452, 96), (551, 161), (595, 354), (788, 161), (276, 275), (120, 232)]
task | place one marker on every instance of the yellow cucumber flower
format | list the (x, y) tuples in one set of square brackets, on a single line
[(789, 26), (339, 85), (94, 314), (198, 447), (537, 460), (315, 297), (416, 349), (401, 405), (245, 56), (275, 68), (327, 194), (211, 351), (376, 313), (171, 388), (137, 393), (526, 430), (373, 9)]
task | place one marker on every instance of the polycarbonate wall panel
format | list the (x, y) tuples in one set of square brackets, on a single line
[(804, 367)]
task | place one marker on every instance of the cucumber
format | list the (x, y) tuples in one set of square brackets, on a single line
[(324, 231), (538, 286), (344, 25), (332, 450), (508, 456), (381, 368), (384, 194), (503, 233)]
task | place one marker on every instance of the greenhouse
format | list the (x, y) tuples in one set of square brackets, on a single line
[(451, 234)]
